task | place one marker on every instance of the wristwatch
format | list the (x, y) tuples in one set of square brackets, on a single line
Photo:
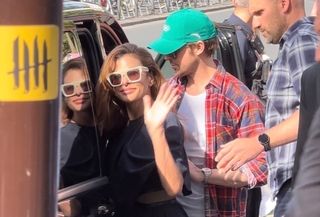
[(264, 140), (206, 173)]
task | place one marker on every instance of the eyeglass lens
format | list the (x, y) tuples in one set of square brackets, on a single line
[(70, 88), (132, 75)]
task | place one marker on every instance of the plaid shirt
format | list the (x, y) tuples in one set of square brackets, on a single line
[(231, 111), (296, 53)]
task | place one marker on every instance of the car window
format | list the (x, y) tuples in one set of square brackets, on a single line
[(89, 35), (90, 40), (109, 37), (81, 147), (69, 44), (79, 143)]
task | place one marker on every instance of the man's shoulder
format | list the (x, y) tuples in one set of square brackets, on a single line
[(304, 24), (233, 82), (235, 20), (236, 90), (303, 28)]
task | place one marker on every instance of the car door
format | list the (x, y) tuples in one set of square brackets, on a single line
[(91, 34)]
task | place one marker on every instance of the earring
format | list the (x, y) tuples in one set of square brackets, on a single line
[(151, 82)]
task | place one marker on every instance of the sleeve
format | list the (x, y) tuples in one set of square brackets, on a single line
[(307, 187), (66, 143), (175, 138), (301, 57), (242, 45), (252, 123)]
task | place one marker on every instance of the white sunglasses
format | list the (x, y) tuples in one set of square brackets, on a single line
[(69, 89), (115, 79)]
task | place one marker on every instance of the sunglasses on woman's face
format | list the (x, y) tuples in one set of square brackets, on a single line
[(115, 79), (69, 89)]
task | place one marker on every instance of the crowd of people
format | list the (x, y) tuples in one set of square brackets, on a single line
[(202, 143)]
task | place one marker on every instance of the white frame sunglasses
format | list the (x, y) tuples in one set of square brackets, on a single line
[(130, 74), (75, 85)]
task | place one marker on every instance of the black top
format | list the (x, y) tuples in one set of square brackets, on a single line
[(309, 103), (306, 192), (79, 159), (249, 59), (131, 165)]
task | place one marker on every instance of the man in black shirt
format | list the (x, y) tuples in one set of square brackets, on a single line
[(242, 21)]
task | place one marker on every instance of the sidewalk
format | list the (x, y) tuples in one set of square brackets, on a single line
[(151, 18)]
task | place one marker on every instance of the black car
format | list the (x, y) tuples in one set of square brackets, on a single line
[(92, 33)]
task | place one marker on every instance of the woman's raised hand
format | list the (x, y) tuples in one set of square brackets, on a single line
[(155, 113)]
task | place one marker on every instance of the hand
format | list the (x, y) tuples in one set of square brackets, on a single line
[(69, 208), (234, 154), (155, 114), (195, 172)]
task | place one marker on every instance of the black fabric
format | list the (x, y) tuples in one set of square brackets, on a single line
[(248, 56), (305, 199), (283, 197), (79, 154), (131, 166), (309, 103), (253, 202), (162, 209)]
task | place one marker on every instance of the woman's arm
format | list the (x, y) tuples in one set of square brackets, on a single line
[(170, 175), (155, 115)]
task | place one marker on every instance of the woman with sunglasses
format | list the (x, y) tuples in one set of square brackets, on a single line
[(79, 159), (145, 159)]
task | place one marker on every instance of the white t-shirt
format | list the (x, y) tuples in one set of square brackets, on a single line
[(191, 114)]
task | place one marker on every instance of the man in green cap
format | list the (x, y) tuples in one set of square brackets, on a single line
[(215, 108)]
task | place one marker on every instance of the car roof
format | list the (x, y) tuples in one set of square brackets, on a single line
[(76, 10)]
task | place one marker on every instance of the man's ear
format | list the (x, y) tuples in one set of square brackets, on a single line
[(199, 47), (285, 5)]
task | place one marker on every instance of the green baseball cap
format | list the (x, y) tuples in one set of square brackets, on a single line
[(181, 27)]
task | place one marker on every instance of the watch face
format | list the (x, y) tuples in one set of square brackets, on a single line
[(264, 138), (206, 171), (265, 141)]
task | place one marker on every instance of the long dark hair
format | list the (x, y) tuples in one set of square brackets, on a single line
[(111, 112)]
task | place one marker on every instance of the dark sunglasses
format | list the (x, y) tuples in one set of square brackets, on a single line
[(115, 79), (175, 54), (69, 89)]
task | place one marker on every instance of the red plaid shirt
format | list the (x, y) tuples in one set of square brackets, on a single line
[(231, 111)]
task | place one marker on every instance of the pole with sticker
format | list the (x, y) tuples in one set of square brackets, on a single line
[(29, 106)]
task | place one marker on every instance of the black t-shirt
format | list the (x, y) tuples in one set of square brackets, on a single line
[(309, 103), (131, 166), (248, 56), (79, 160)]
